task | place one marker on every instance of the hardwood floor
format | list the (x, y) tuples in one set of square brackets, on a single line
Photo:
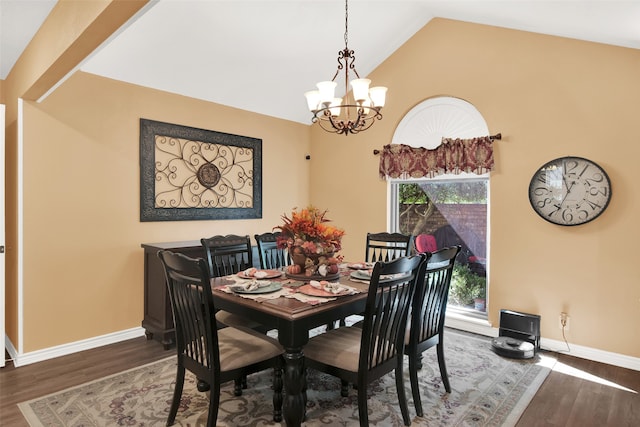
[(563, 400), (592, 394)]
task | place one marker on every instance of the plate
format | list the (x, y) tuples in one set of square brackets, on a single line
[(271, 287), (271, 274), (366, 275), (361, 265), (361, 274), (315, 292)]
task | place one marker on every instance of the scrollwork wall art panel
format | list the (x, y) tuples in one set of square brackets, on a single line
[(195, 174)]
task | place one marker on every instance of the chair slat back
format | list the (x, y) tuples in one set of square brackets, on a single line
[(227, 254), (271, 257), (386, 247), (193, 311), (432, 292), (390, 291)]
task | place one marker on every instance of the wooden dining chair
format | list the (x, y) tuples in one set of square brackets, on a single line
[(383, 247), (362, 355), (387, 246), (271, 257), (213, 356), (227, 254), (426, 325)]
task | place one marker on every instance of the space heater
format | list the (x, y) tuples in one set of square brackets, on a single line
[(519, 335)]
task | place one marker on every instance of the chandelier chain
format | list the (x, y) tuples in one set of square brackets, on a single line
[(346, 23)]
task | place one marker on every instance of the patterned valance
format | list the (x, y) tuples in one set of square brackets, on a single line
[(454, 156)]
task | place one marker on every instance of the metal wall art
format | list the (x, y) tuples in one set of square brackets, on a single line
[(195, 174)]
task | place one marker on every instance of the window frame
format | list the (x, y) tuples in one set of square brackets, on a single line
[(394, 225)]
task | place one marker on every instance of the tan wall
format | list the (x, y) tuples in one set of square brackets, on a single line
[(549, 97), (83, 270), (71, 31)]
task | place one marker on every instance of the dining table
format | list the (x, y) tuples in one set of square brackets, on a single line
[(294, 311)]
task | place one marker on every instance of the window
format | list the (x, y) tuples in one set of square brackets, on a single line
[(452, 209), (449, 212)]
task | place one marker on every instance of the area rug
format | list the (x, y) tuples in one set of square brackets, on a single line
[(487, 390)]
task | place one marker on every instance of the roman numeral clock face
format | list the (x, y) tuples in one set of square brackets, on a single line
[(570, 191)]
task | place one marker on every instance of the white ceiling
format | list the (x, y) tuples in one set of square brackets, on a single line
[(262, 55)]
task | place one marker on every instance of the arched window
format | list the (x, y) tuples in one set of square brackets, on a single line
[(450, 209)]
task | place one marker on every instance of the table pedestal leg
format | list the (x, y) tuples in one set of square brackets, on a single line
[(294, 387)]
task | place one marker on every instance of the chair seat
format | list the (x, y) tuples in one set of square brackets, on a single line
[(337, 347), (239, 348), (240, 322)]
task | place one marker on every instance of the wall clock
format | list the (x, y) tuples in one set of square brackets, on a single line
[(570, 191)]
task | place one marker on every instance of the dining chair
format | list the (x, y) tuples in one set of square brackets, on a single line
[(426, 324), (362, 355), (228, 255), (271, 257), (383, 247), (213, 356), (387, 246)]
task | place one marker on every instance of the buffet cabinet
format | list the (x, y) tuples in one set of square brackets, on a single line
[(158, 318)]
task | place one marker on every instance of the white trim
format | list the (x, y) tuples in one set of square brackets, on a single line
[(74, 347), (2, 232), (483, 327), (477, 326), (470, 324), (9, 348), (593, 354), (20, 224)]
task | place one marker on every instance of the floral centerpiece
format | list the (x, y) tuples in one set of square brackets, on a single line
[(312, 243)]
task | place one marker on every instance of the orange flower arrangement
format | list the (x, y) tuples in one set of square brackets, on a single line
[(308, 233)]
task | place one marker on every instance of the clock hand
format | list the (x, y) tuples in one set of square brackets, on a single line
[(567, 193), (569, 187)]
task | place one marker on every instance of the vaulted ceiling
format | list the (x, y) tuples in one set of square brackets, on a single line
[(262, 55)]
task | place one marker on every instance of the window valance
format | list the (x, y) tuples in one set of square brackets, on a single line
[(454, 156)]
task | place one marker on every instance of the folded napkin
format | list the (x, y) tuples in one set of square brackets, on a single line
[(254, 272), (333, 287), (251, 285)]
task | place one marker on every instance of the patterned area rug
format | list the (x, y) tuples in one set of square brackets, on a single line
[(487, 390)]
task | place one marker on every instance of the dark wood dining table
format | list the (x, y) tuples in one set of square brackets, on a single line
[(293, 319)]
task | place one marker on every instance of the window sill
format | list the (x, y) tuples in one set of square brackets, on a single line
[(470, 321)]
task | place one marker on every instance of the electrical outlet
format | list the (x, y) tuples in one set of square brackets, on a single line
[(564, 321)]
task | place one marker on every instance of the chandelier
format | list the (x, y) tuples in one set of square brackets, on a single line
[(357, 111)]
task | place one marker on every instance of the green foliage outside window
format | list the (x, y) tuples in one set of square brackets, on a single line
[(466, 286)]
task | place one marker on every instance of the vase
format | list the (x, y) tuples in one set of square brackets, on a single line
[(309, 265)]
